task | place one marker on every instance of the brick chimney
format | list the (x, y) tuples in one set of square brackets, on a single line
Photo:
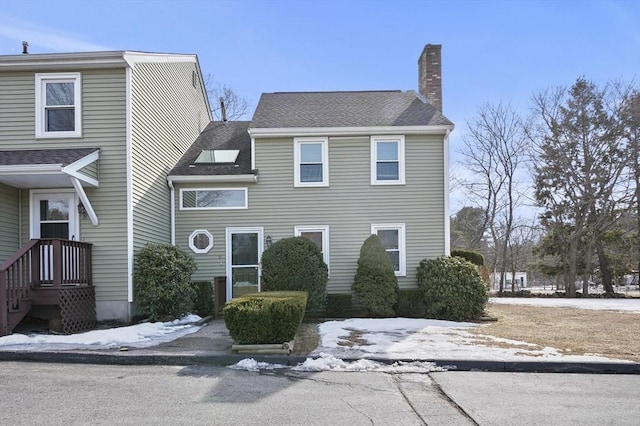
[(430, 74)]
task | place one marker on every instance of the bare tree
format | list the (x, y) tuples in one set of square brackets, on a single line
[(495, 152), (234, 107)]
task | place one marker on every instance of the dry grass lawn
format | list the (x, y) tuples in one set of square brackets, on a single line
[(572, 331)]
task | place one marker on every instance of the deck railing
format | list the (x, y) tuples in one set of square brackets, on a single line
[(42, 264)]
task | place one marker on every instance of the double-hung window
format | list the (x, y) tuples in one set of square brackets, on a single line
[(311, 161), (58, 105), (317, 234), (387, 160), (392, 236)]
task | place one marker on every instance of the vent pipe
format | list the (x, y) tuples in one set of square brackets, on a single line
[(25, 48), (223, 110)]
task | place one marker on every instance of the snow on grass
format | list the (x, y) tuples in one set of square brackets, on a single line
[(627, 305), (134, 336)]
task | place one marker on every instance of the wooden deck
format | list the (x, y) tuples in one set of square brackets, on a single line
[(51, 272)]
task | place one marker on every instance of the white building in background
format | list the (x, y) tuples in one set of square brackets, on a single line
[(520, 280)]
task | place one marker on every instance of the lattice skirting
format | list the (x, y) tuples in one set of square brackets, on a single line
[(78, 309)]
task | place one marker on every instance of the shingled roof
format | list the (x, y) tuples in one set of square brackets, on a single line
[(218, 135), (44, 156), (345, 109)]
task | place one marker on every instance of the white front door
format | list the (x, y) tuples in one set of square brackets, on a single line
[(244, 249), (54, 215)]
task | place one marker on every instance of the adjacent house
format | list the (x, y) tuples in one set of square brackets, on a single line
[(333, 167), (103, 152), (86, 142)]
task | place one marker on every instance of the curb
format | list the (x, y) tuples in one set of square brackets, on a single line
[(230, 359)]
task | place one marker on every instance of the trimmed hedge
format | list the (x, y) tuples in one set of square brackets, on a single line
[(162, 281), (472, 256), (296, 264), (375, 284), (266, 317), (203, 302), (452, 288), (339, 305), (410, 303)]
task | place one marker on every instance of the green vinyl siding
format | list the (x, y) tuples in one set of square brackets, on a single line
[(348, 206), (168, 115), (104, 127), (9, 221)]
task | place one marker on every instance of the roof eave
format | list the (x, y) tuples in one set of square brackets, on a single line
[(349, 131), (247, 178)]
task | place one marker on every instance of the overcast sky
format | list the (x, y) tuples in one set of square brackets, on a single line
[(492, 50)]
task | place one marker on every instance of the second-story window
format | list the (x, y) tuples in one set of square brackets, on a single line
[(58, 105), (387, 160), (311, 161)]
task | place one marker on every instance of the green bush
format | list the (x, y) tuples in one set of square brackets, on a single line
[(338, 305), (203, 302), (452, 288), (410, 303), (267, 317), (472, 256), (375, 284), (162, 280), (296, 264)]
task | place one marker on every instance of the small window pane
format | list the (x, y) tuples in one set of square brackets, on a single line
[(60, 94), (60, 120), (311, 153), (389, 238), (201, 241), (394, 256), (311, 173), (387, 171), (245, 249), (316, 237), (387, 151), (54, 210)]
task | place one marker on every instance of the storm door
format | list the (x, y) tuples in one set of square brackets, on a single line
[(244, 249)]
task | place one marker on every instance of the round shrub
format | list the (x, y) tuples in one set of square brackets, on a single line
[(375, 284), (452, 289), (162, 280), (472, 256), (296, 264)]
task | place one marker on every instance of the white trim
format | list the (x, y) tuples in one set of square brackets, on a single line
[(129, 188), (172, 202), (30, 169), (36, 195), (193, 247), (74, 168), (324, 229), (133, 58), (41, 79), (297, 144), (336, 131), (214, 179), (246, 198), (253, 153), (85, 200), (241, 230), (402, 245), (399, 139), (447, 207)]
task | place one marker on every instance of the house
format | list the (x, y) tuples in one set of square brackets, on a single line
[(86, 142), (333, 167)]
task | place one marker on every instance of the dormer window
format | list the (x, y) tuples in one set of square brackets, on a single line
[(58, 105), (218, 156)]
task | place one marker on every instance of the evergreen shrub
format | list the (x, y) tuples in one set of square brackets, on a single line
[(266, 317), (339, 305), (203, 302), (452, 289), (375, 284), (472, 256), (162, 281), (410, 303), (296, 264)]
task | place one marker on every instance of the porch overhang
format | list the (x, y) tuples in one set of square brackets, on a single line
[(53, 168)]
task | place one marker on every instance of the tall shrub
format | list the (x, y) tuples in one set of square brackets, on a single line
[(452, 289), (162, 280), (375, 284), (296, 264)]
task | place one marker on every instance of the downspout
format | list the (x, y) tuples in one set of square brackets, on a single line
[(447, 207), (172, 203)]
